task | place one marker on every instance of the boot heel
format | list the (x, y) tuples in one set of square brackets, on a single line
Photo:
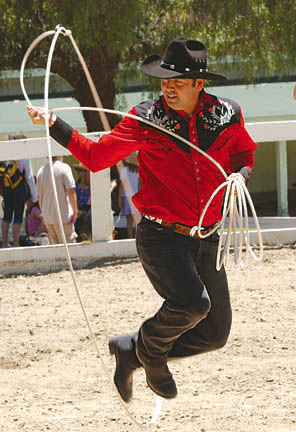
[(111, 347)]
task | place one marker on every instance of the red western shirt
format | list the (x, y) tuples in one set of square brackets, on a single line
[(177, 181)]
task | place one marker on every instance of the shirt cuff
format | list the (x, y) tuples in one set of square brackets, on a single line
[(61, 132), (245, 172)]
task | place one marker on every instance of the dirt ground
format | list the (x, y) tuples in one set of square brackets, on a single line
[(52, 380)]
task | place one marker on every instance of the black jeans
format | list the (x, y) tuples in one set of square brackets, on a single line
[(195, 316), (14, 203)]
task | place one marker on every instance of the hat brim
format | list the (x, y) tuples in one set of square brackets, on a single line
[(152, 67)]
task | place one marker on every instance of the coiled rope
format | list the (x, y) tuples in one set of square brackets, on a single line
[(235, 203), (236, 191)]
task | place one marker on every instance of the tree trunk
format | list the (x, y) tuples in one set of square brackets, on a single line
[(102, 70), (106, 91)]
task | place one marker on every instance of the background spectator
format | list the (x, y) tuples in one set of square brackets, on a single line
[(82, 227), (129, 173), (115, 184), (36, 224), (14, 197), (66, 192), (82, 185)]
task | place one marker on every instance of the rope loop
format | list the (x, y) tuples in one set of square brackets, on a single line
[(61, 30), (235, 204)]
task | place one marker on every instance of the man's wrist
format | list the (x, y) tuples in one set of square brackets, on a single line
[(52, 119), (61, 132)]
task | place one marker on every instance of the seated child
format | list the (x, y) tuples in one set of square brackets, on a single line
[(35, 221)]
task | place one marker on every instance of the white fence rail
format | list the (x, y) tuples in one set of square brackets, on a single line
[(272, 131), (51, 258), (102, 222)]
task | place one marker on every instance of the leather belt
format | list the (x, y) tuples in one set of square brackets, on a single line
[(190, 231)]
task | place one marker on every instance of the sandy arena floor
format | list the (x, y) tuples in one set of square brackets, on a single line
[(51, 379)]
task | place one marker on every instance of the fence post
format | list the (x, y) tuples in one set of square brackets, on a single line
[(102, 221), (282, 178)]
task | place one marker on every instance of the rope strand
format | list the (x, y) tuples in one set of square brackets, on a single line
[(233, 184), (62, 30)]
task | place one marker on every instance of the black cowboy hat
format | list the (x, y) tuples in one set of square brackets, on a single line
[(183, 58)]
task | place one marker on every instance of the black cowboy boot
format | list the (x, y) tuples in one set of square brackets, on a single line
[(161, 381), (123, 347)]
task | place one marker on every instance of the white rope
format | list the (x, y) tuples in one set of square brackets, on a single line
[(125, 180), (233, 212), (157, 411), (149, 123), (25, 58), (235, 209), (233, 184), (58, 31)]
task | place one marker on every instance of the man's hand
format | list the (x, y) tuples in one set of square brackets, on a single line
[(29, 203), (232, 186), (38, 115), (74, 217), (73, 202)]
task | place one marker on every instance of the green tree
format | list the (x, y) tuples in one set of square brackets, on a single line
[(258, 37), (248, 38), (109, 33)]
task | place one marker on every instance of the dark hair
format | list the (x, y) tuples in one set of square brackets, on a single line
[(17, 136), (131, 167), (35, 204)]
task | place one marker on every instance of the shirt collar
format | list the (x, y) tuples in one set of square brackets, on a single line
[(204, 98)]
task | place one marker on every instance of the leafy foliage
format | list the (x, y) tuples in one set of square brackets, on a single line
[(245, 38)]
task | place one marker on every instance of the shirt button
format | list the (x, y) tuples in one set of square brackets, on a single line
[(195, 162), (197, 178), (193, 139), (201, 200), (197, 170)]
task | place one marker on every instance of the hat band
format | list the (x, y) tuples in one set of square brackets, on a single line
[(175, 68)]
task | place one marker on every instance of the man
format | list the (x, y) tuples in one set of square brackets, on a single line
[(21, 190), (66, 192), (177, 182)]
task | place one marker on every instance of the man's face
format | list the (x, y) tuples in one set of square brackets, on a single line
[(182, 94)]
